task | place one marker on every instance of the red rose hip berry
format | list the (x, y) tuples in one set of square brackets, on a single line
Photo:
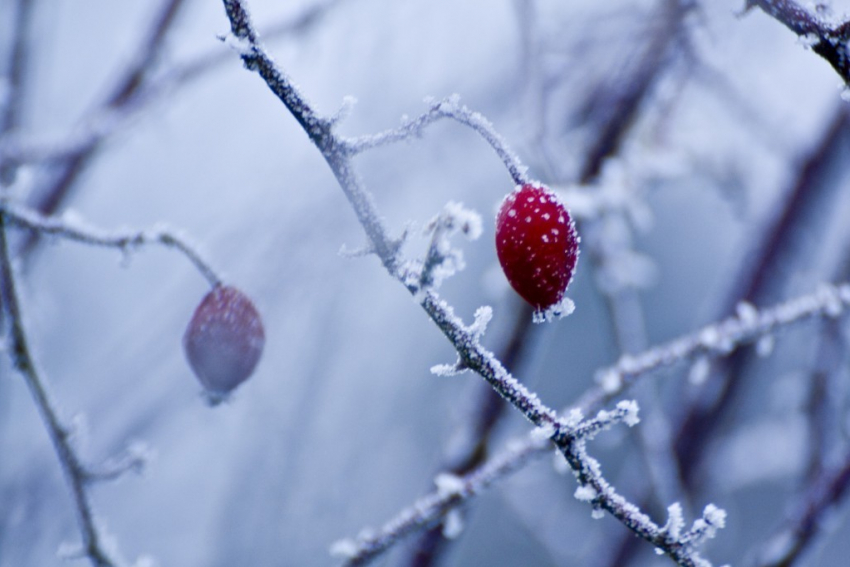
[(537, 245), (224, 340)]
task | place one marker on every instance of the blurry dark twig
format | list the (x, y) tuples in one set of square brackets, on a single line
[(825, 492), (13, 83), (108, 119), (124, 240), (759, 279), (826, 39), (49, 198)]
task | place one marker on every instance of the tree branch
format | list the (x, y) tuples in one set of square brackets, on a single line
[(471, 355), (123, 240), (826, 39), (75, 473)]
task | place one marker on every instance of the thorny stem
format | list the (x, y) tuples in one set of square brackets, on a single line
[(75, 473), (471, 354)]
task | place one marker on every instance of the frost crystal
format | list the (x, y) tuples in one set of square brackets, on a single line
[(675, 521), (453, 524), (445, 370), (449, 484), (344, 548), (699, 371), (543, 432), (585, 493), (610, 381), (558, 311), (630, 407)]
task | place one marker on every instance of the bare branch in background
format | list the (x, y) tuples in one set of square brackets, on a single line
[(76, 474), (827, 39), (75, 229)]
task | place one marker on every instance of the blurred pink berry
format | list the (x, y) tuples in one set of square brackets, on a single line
[(537, 245), (224, 340)]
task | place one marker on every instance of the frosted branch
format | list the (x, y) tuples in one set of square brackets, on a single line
[(829, 301), (429, 509), (75, 472), (449, 107), (827, 39), (719, 339), (73, 229), (443, 261), (471, 354)]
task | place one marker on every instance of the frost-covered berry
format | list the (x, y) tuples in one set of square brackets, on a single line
[(224, 340), (537, 245)]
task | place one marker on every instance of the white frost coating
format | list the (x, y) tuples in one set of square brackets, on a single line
[(146, 561), (675, 521), (445, 370), (559, 463), (465, 220), (699, 371), (630, 409), (585, 493), (597, 513), (449, 484), (242, 46), (765, 345), (483, 316), (747, 313), (344, 548), (574, 418), (715, 516), (453, 524), (560, 310), (610, 381), (543, 432)]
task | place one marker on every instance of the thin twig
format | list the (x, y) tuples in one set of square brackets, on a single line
[(123, 240), (56, 190), (826, 39), (720, 339), (106, 120), (825, 493), (75, 473)]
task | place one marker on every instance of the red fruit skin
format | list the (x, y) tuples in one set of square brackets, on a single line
[(224, 340), (537, 245)]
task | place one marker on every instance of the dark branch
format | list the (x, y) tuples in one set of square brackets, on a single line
[(828, 41)]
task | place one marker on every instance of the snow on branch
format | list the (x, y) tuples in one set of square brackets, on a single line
[(827, 39), (72, 228), (337, 152)]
